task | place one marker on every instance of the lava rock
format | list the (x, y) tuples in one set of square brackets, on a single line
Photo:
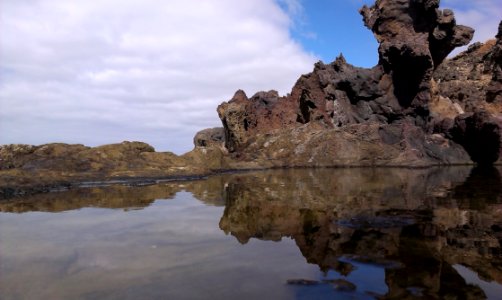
[(209, 137), (396, 95)]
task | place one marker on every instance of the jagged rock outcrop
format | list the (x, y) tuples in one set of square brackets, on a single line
[(341, 104), (467, 105)]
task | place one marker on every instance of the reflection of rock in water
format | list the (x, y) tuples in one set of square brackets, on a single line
[(481, 188), (415, 223), (116, 197)]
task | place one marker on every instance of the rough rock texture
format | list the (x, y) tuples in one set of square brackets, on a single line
[(209, 137), (243, 117), (467, 99), (367, 144), (28, 169), (113, 160), (393, 114), (463, 80)]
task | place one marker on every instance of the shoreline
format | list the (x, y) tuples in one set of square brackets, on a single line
[(11, 192)]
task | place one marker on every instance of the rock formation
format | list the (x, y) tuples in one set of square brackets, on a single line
[(467, 101), (415, 108), (30, 169), (395, 106)]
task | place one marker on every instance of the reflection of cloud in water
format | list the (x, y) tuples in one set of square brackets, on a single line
[(405, 228)]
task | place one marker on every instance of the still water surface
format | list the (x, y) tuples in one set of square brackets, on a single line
[(285, 234)]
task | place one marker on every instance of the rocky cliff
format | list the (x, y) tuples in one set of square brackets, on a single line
[(411, 109)]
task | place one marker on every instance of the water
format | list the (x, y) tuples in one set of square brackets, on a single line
[(284, 234)]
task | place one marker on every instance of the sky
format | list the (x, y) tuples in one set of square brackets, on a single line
[(100, 72)]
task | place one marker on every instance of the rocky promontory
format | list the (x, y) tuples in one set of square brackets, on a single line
[(415, 108), (411, 109)]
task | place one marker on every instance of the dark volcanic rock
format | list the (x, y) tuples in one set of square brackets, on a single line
[(396, 105), (413, 35), (464, 79), (467, 102), (494, 90), (480, 134), (209, 137)]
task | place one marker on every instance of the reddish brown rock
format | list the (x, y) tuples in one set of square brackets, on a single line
[(242, 118), (414, 37)]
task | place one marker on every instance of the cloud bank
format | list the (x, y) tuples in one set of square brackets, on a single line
[(97, 72), (482, 15)]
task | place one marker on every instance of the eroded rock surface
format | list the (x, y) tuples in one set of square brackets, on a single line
[(467, 101), (30, 169), (404, 108)]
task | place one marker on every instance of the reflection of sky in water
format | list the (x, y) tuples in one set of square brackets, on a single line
[(493, 290), (175, 249)]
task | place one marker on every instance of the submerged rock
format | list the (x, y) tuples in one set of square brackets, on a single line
[(302, 282), (342, 285)]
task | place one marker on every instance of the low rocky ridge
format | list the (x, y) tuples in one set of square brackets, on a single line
[(28, 169), (413, 109)]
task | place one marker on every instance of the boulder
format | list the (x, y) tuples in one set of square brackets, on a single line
[(209, 137)]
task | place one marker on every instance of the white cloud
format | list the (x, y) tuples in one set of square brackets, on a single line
[(97, 72), (482, 15)]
